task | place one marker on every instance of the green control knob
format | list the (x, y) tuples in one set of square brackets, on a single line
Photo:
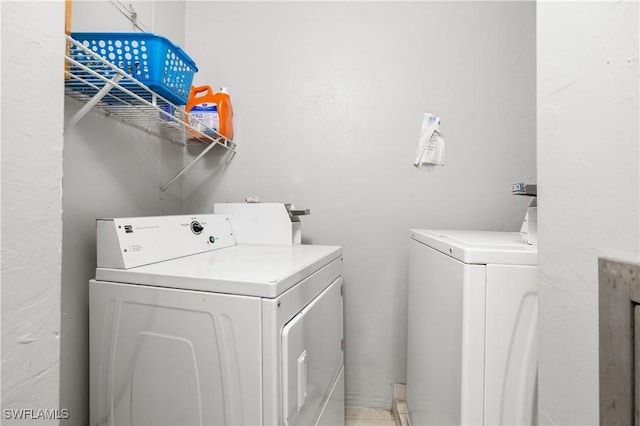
[(212, 239)]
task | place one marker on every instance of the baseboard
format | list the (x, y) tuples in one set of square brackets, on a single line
[(399, 408)]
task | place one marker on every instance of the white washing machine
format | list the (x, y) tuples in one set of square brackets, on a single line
[(187, 327), (472, 343)]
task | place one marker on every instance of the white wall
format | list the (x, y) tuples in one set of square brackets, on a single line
[(328, 100), (588, 162), (110, 170), (163, 17), (32, 90)]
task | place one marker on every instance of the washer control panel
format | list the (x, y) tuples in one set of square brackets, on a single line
[(125, 243)]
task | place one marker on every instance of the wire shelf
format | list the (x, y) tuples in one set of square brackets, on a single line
[(102, 86)]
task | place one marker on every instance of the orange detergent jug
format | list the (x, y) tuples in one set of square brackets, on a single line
[(225, 111), (208, 110)]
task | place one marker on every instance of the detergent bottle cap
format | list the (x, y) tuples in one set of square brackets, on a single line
[(224, 90)]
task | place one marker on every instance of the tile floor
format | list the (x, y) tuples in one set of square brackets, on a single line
[(368, 417)]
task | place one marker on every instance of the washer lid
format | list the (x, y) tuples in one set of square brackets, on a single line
[(479, 247), (251, 270)]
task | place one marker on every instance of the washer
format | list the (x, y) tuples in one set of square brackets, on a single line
[(189, 328), (472, 343)]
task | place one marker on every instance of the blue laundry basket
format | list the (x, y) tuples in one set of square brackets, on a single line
[(151, 59)]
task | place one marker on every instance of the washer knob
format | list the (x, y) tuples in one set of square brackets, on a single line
[(196, 228)]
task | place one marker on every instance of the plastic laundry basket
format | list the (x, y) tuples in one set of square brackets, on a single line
[(151, 59)]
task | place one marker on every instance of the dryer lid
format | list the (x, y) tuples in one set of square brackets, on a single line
[(250, 270), (479, 247)]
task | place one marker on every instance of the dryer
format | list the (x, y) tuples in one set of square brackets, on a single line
[(472, 315), (187, 327)]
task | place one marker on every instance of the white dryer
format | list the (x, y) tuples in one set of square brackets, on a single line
[(472, 343), (189, 328)]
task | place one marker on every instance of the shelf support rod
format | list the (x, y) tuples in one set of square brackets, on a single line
[(89, 105), (188, 166)]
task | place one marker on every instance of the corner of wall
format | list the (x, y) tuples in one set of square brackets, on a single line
[(32, 140)]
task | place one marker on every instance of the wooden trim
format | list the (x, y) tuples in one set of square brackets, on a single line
[(619, 294)]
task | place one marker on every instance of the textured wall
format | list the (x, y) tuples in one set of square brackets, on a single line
[(32, 80), (328, 100), (588, 162)]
